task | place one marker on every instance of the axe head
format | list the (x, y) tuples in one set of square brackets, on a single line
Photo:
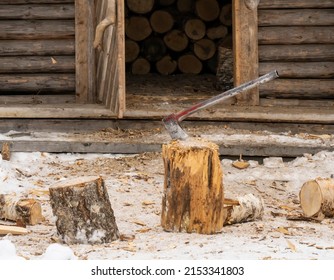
[(173, 127)]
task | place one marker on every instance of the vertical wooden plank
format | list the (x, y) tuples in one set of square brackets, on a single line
[(245, 45), (85, 57), (121, 57)]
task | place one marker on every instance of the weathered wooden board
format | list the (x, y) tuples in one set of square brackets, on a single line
[(279, 4), (37, 47), (306, 52), (17, 99), (298, 17), (37, 83), (56, 11), (85, 87), (299, 88), (41, 64), (36, 29), (296, 35), (299, 69)]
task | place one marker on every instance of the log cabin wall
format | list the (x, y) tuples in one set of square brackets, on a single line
[(37, 50), (297, 39)]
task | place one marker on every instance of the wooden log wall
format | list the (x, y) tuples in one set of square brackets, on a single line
[(180, 36), (297, 39), (37, 47)]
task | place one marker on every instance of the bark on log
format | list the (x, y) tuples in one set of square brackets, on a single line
[(5, 151), (140, 66), (37, 64), (153, 49), (249, 208), (189, 64), (225, 15), (132, 50), (193, 190), (176, 40), (27, 211), (140, 6), (309, 52), (138, 28), (317, 196), (184, 6), (218, 32), (83, 211), (166, 65), (195, 29), (161, 21), (224, 69), (37, 47), (204, 49), (207, 10)]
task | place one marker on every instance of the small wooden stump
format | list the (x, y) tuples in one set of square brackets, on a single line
[(83, 210), (5, 151), (193, 199), (317, 196), (24, 210)]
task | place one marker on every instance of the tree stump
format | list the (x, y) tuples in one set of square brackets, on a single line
[(25, 210), (193, 199), (317, 196), (83, 210)]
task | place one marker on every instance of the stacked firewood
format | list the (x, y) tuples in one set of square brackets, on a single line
[(176, 36)]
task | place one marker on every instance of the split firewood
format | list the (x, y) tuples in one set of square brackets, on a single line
[(218, 32), (153, 49), (248, 208), (5, 151), (140, 66), (176, 40), (317, 196), (138, 28), (83, 211), (207, 10), (166, 65), (195, 29), (140, 6), (110, 19), (14, 230), (205, 49), (225, 16), (25, 210), (193, 190), (132, 50), (189, 64), (161, 21), (184, 6)]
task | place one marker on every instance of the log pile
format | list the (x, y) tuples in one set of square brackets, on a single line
[(180, 36)]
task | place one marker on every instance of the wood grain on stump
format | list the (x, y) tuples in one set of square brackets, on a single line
[(317, 196), (83, 211), (193, 190)]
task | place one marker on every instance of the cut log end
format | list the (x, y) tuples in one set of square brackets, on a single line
[(83, 211), (317, 196)]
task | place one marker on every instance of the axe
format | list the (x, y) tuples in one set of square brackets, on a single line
[(172, 122)]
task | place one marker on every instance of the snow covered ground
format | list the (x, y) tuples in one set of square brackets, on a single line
[(135, 184)]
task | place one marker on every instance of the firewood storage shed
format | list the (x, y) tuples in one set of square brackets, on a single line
[(49, 68)]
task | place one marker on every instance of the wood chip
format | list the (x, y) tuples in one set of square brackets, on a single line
[(140, 223), (291, 246), (143, 230), (127, 237), (147, 202), (283, 230), (240, 164), (15, 230)]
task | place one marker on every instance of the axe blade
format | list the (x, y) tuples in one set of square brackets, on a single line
[(173, 127)]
